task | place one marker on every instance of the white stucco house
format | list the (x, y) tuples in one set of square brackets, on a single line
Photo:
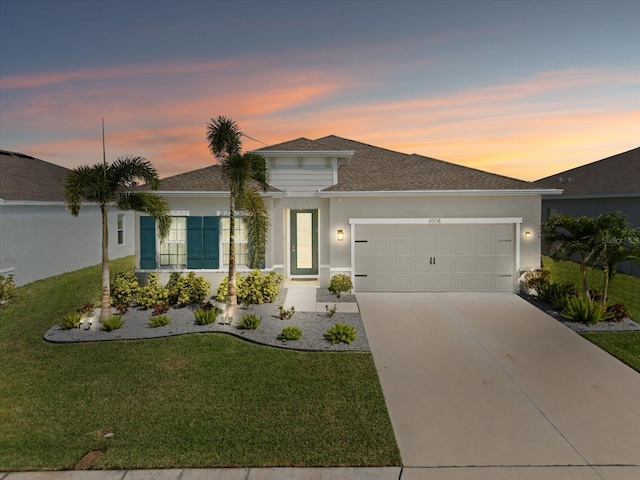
[(38, 237), (392, 221)]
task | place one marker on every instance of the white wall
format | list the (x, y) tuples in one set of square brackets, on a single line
[(41, 239)]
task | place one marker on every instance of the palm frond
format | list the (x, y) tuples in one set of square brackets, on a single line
[(150, 203), (127, 171), (223, 135), (258, 223)]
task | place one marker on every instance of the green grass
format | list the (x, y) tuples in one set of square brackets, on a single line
[(622, 289), (201, 400)]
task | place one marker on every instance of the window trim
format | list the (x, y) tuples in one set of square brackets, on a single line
[(174, 242), (120, 237), (224, 264)]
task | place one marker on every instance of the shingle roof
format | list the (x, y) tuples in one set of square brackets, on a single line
[(378, 169), (298, 145), (27, 178), (615, 175)]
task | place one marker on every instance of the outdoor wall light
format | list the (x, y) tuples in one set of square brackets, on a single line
[(527, 234), (340, 235)]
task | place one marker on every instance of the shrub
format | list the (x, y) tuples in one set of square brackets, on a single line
[(340, 283), (206, 316), (159, 321), (70, 320), (152, 293), (188, 289), (7, 288), (160, 308), (114, 322), (341, 332), (122, 308), (124, 289), (290, 333), (616, 312), (255, 288), (535, 279), (87, 309), (557, 293), (331, 311), (583, 309), (249, 322), (284, 313)]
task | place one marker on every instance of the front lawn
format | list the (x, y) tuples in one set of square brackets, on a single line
[(201, 400), (623, 345)]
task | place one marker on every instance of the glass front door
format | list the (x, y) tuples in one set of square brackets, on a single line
[(304, 242)]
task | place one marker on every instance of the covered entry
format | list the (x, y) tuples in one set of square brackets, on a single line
[(434, 255)]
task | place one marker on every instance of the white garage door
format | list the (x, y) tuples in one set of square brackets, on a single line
[(434, 258)]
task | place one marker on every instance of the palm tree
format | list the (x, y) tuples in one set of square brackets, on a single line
[(112, 185), (241, 172)]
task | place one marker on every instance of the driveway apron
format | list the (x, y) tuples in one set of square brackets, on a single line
[(487, 380)]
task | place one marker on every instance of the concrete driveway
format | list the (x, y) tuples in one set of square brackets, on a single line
[(486, 386)]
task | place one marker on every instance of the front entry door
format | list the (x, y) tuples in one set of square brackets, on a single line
[(304, 242)]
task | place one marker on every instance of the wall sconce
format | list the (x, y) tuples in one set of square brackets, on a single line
[(527, 234), (340, 235)]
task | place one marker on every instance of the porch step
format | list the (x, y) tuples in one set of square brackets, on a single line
[(304, 300)]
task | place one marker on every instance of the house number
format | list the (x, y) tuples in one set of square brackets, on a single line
[(435, 220)]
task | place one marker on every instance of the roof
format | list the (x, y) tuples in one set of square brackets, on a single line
[(27, 178), (298, 145), (615, 175)]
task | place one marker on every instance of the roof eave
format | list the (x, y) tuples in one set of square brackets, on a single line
[(197, 193), (432, 193), (305, 153)]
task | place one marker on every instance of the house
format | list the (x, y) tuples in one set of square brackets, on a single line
[(38, 237), (392, 221), (607, 185)]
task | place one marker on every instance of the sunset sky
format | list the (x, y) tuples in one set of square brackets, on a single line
[(521, 88)]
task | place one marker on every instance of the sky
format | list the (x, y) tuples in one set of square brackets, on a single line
[(519, 88)]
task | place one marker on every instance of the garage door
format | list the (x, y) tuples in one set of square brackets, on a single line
[(434, 258)]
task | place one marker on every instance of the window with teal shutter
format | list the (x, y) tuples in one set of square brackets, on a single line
[(194, 243), (147, 242), (211, 242)]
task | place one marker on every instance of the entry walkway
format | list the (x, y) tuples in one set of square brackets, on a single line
[(302, 296), (485, 386)]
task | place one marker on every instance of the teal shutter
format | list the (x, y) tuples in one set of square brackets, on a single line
[(211, 236), (147, 243), (194, 243)]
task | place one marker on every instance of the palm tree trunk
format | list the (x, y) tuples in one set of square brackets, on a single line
[(232, 299), (105, 312)]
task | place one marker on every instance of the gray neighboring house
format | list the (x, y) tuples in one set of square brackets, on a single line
[(389, 220), (607, 185), (38, 237)]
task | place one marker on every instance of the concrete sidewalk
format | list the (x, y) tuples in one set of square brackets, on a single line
[(487, 386)]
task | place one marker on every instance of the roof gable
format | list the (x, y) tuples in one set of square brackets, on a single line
[(27, 178), (298, 145), (615, 175)]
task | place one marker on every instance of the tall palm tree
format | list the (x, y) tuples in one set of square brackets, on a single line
[(112, 185), (241, 172)]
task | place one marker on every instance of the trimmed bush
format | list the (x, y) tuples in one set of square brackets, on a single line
[(584, 310), (152, 293), (290, 333), (114, 322), (254, 288), (70, 320), (340, 283), (341, 332), (7, 288), (124, 289), (249, 322), (159, 321), (187, 289)]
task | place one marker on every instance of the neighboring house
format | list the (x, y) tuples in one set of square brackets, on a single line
[(608, 185), (392, 221), (38, 237)]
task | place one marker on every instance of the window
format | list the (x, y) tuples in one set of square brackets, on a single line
[(121, 229), (241, 240), (173, 249)]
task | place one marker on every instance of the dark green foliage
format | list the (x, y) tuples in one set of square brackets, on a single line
[(7, 288), (285, 314), (583, 309), (70, 320), (557, 293), (254, 288), (152, 293), (290, 333), (124, 289), (187, 289), (341, 332), (249, 322), (206, 316), (340, 283), (159, 321), (114, 322)]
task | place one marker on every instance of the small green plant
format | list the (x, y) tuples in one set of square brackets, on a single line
[(249, 321), (341, 332), (152, 293), (7, 288), (206, 316), (114, 322), (290, 333), (70, 320), (159, 321), (340, 283), (583, 309), (557, 293), (124, 289), (535, 280), (331, 311), (285, 314)]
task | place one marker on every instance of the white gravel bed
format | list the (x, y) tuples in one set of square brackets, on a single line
[(313, 325)]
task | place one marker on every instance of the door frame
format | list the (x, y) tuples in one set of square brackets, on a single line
[(293, 271)]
